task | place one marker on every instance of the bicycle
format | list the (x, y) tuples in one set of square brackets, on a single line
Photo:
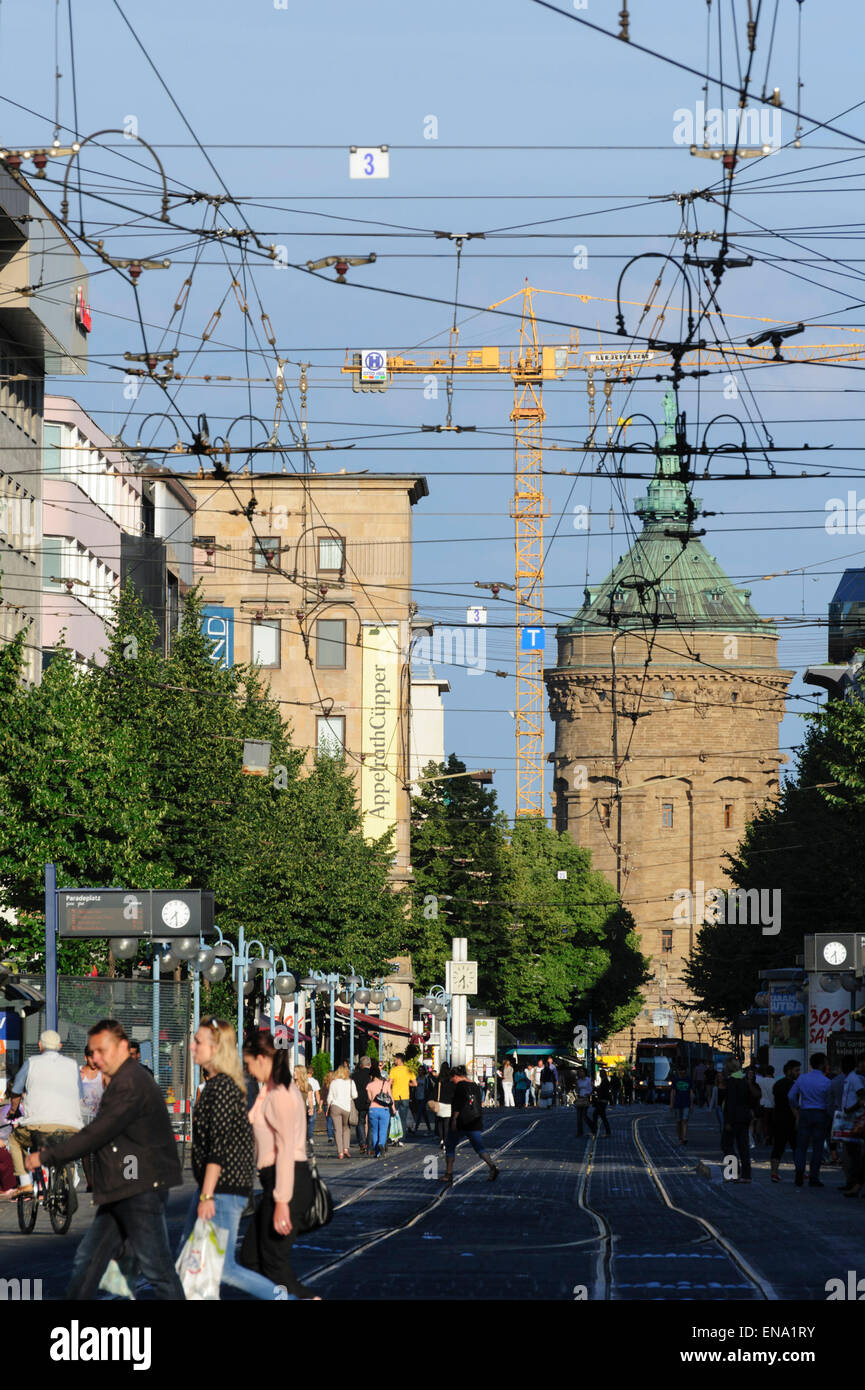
[(56, 1195)]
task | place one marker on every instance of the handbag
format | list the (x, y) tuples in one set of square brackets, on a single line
[(440, 1108), (383, 1098), (320, 1210)]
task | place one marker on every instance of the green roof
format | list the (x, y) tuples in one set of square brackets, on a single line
[(668, 572)]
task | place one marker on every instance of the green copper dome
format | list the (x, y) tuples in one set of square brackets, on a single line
[(668, 572)]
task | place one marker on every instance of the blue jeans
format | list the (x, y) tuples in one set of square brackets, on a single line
[(474, 1136), (812, 1129), (403, 1109), (227, 1213), (140, 1221), (379, 1121)]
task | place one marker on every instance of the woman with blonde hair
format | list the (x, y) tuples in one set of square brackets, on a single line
[(223, 1151), (340, 1097)]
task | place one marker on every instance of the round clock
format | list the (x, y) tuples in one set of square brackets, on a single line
[(175, 914), (835, 952)]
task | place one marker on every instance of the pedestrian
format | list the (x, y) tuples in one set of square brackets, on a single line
[(766, 1112), (223, 1152), (134, 1164), (699, 1080), (600, 1100), (8, 1186), (508, 1082), (738, 1110), (583, 1099), (92, 1086), (466, 1122), (837, 1081), (628, 1086), (381, 1108), (681, 1095), (548, 1087), (756, 1098), (303, 1081), (710, 1086), (808, 1096), (341, 1096), (321, 1101), (401, 1084), (615, 1088), (853, 1153), (362, 1074), (422, 1094), (521, 1082), (441, 1105), (783, 1119), (135, 1054), (50, 1086), (279, 1125), (555, 1073)]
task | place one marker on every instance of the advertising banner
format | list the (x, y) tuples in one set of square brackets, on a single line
[(786, 1024), (379, 744)]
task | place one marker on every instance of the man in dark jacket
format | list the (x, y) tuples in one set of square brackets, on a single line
[(739, 1106), (135, 1163), (361, 1076)]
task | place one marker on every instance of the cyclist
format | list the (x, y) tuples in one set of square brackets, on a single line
[(50, 1086)]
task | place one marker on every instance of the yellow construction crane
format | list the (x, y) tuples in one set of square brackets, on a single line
[(533, 364)]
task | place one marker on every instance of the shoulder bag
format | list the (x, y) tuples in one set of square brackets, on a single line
[(320, 1211), (440, 1107)]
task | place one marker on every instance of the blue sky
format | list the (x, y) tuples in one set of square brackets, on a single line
[(493, 75)]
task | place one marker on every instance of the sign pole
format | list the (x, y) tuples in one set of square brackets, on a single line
[(51, 946), (156, 1016)]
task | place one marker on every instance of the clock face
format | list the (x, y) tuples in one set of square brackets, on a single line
[(835, 952), (175, 914)]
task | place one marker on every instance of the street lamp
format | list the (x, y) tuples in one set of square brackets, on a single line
[(439, 1003)]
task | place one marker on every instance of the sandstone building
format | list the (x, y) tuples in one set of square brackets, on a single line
[(666, 699)]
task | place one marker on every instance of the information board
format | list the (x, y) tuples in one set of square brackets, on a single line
[(158, 914)]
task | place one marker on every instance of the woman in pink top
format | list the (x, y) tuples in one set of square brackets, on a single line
[(278, 1120)]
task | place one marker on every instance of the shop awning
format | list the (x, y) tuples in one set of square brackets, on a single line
[(371, 1024)]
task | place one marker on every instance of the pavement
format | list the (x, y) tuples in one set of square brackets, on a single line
[(397, 1233)]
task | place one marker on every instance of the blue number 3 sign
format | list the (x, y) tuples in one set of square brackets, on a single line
[(369, 164)]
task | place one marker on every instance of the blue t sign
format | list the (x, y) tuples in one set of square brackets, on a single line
[(532, 639)]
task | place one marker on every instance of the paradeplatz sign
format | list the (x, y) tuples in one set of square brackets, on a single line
[(163, 914)]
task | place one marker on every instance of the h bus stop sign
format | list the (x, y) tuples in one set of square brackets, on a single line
[(153, 914)]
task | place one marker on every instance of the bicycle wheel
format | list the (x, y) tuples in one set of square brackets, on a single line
[(59, 1206), (28, 1210)]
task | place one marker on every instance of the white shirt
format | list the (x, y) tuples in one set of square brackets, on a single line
[(767, 1099), (341, 1093), (852, 1087)]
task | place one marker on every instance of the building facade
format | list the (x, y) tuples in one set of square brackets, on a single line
[(666, 698), (309, 577), (40, 332)]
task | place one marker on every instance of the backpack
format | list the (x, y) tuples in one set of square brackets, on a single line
[(471, 1110)]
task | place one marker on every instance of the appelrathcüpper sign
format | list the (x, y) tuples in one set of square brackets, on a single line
[(379, 735)]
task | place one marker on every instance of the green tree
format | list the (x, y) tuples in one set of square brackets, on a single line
[(457, 854), (805, 845)]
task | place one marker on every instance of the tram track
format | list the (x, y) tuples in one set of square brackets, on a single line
[(605, 1284), (374, 1238)]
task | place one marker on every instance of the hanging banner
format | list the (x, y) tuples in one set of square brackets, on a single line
[(379, 733)]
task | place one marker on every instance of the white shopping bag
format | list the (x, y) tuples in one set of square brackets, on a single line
[(201, 1260)]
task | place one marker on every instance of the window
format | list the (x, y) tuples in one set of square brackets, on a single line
[(330, 644), (331, 553), (51, 448), (667, 940), (265, 552), (265, 642), (667, 815), (52, 564), (330, 736), (728, 815)]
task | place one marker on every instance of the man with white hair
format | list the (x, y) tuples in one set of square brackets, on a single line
[(51, 1088)]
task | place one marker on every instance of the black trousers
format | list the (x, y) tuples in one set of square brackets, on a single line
[(737, 1137), (361, 1128), (600, 1109), (263, 1249), (784, 1132), (583, 1114)]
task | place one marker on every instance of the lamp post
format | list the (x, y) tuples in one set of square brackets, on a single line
[(353, 989), (439, 1002)]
